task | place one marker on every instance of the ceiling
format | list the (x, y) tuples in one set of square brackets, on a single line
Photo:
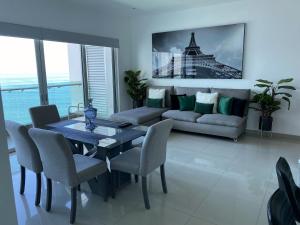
[(149, 6), (168, 5)]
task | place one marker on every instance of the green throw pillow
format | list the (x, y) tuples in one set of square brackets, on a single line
[(154, 103), (203, 108), (187, 103), (225, 105)]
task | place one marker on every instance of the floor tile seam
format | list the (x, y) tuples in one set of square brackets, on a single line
[(208, 193), (205, 219), (261, 206), (127, 213)]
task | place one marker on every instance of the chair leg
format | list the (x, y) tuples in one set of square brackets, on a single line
[(145, 192), (38, 189), (79, 188), (23, 177), (112, 184), (163, 178), (136, 178), (73, 204), (106, 192), (49, 195)]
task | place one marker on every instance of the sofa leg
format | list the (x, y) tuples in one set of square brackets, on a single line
[(235, 140)]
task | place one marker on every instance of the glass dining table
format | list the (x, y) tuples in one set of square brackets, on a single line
[(107, 140)]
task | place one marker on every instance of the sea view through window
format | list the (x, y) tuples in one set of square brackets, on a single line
[(19, 94), (19, 79)]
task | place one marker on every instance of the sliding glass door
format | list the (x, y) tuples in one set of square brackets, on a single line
[(18, 78), (64, 75), (35, 72)]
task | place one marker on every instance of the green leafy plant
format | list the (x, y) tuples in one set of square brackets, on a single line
[(137, 87), (270, 99)]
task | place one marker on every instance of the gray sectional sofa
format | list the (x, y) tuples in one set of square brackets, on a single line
[(190, 121)]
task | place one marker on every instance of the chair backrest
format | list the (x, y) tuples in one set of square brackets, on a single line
[(279, 210), (287, 184), (155, 146), (27, 152), (56, 155), (43, 115)]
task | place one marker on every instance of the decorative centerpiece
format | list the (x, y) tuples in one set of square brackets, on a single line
[(270, 99), (90, 114)]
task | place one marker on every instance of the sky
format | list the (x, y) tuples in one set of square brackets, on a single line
[(224, 42), (17, 58)]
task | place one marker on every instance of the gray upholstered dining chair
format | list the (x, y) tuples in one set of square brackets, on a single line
[(43, 115), (27, 155), (60, 165), (46, 114), (143, 160)]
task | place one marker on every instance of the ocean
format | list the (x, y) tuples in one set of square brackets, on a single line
[(19, 94)]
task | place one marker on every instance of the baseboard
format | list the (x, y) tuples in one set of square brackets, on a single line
[(273, 134)]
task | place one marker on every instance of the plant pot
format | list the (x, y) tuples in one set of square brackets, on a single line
[(265, 123), (138, 103)]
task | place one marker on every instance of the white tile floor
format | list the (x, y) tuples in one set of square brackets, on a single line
[(211, 181)]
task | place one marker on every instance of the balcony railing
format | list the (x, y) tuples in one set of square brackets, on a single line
[(18, 99)]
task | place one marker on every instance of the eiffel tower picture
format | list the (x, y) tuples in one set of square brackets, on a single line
[(191, 62)]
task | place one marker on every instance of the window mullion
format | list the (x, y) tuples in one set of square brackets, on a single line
[(84, 76), (41, 71)]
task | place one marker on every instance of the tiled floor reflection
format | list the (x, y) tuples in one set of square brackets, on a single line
[(211, 181)]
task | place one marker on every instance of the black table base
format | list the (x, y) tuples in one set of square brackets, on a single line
[(98, 185)]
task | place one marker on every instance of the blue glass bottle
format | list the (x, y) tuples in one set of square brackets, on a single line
[(90, 114)]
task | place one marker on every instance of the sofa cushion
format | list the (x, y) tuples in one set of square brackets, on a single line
[(157, 94), (188, 116), (187, 103), (221, 120), (175, 101), (235, 93), (208, 98), (225, 105), (203, 108), (138, 115), (238, 107), (168, 91), (154, 103), (190, 90)]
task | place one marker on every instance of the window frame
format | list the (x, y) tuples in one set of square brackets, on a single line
[(42, 75)]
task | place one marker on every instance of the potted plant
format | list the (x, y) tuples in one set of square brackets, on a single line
[(270, 100), (137, 87)]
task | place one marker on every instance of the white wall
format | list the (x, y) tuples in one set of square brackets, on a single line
[(271, 46), (7, 204), (69, 15)]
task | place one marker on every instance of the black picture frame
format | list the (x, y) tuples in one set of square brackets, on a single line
[(202, 53)]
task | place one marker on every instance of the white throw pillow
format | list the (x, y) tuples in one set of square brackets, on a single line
[(208, 98), (157, 94)]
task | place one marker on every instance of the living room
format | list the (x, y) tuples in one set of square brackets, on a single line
[(212, 178)]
